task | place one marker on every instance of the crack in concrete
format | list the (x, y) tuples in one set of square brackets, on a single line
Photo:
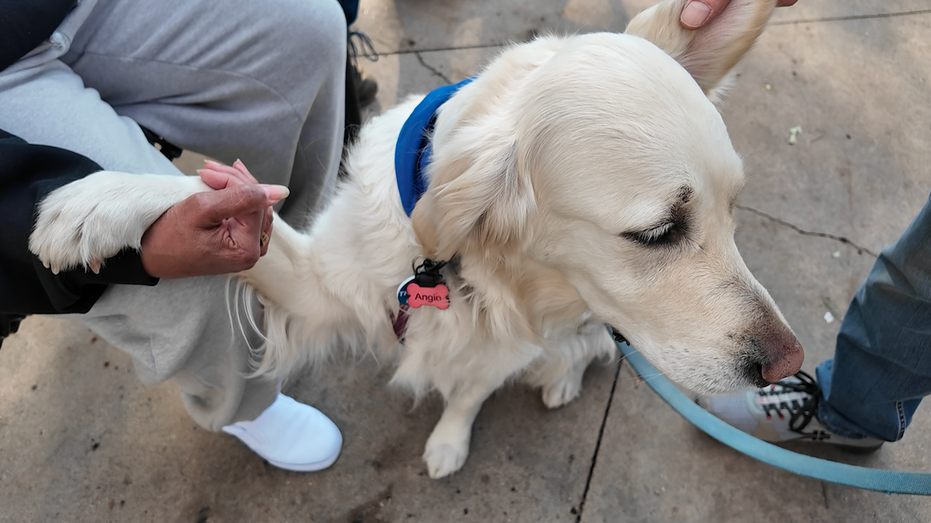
[(841, 239), (852, 17), (437, 49), (431, 68), (601, 431)]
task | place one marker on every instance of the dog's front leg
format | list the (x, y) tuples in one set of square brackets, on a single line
[(89, 220), (562, 380), (448, 445)]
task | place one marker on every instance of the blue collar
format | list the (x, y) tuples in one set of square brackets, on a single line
[(413, 151)]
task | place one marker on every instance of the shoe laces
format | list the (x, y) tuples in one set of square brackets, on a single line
[(364, 47), (802, 407)]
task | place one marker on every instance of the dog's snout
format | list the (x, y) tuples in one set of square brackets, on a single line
[(782, 356)]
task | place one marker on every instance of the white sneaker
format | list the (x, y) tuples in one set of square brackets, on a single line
[(784, 411), (291, 436)]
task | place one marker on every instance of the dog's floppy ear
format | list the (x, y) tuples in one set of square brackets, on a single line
[(476, 197), (709, 53)]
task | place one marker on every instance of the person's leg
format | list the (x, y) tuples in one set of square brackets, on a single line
[(177, 330), (171, 329), (262, 81), (44, 102), (193, 345), (882, 362)]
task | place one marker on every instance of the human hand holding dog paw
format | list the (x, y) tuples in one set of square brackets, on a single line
[(219, 176), (698, 13), (218, 232)]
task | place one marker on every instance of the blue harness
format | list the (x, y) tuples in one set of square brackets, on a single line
[(414, 149)]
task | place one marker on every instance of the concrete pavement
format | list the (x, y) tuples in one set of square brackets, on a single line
[(82, 440)]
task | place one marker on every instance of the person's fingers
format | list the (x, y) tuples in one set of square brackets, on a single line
[(218, 179), (222, 167), (221, 180), (267, 230), (230, 251), (241, 168), (218, 176), (234, 175), (697, 13), (237, 170), (275, 193), (238, 239), (217, 171), (266, 235), (242, 239), (234, 201)]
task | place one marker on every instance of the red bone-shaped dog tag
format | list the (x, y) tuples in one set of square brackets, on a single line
[(435, 296)]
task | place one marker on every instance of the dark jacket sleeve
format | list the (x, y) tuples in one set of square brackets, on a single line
[(28, 173), (24, 24)]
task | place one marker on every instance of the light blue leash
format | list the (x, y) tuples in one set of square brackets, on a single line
[(888, 481)]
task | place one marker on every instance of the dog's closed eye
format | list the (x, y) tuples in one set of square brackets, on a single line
[(671, 229), (666, 234)]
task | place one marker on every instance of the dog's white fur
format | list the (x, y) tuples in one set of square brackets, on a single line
[(550, 171)]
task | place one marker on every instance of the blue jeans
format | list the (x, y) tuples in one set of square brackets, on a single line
[(882, 361)]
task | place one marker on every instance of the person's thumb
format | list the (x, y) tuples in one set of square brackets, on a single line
[(697, 13), (240, 200)]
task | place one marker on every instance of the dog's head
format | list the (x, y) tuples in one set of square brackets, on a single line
[(601, 158)]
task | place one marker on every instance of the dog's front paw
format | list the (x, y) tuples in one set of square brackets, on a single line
[(445, 455), (442, 460), (89, 220), (566, 389)]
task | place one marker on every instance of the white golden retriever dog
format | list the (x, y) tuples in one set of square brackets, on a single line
[(577, 181)]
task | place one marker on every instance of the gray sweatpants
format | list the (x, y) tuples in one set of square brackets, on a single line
[(259, 80)]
